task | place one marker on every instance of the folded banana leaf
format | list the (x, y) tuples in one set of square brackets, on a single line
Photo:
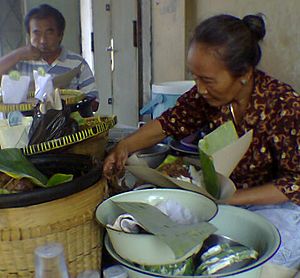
[(214, 141), (182, 239), (16, 165)]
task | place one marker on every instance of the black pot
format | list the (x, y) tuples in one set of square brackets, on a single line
[(86, 171)]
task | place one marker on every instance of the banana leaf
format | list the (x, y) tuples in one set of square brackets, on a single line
[(219, 138), (211, 143), (182, 239), (16, 165)]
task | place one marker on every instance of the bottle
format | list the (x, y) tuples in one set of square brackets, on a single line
[(50, 261), (115, 271)]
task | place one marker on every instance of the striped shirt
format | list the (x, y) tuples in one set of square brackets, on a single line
[(67, 60)]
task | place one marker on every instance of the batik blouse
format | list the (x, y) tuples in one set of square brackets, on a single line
[(273, 113)]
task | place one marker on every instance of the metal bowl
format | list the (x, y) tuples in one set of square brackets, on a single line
[(154, 155)]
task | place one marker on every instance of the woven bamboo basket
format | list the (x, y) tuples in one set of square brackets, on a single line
[(69, 220), (90, 140), (68, 95)]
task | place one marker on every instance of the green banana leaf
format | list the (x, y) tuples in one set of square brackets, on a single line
[(219, 138), (182, 239), (16, 165), (186, 267), (214, 141), (210, 178)]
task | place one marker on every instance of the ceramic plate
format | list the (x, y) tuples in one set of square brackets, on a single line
[(177, 146)]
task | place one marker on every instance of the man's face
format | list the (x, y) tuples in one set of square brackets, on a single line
[(45, 35)]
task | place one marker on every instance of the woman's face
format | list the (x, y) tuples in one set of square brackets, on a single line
[(45, 35), (213, 80)]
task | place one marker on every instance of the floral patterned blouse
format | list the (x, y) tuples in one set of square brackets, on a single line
[(274, 115)]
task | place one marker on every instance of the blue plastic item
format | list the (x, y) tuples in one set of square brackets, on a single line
[(164, 96)]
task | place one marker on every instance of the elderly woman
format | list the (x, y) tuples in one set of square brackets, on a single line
[(222, 57)]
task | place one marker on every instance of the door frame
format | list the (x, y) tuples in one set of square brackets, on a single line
[(143, 38)]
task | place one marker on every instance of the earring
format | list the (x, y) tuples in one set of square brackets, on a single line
[(244, 82)]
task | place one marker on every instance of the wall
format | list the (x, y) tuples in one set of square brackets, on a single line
[(12, 33), (281, 45), (173, 19), (168, 40)]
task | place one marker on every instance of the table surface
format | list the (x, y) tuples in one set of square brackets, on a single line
[(273, 270)]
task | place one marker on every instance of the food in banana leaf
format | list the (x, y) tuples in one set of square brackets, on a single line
[(223, 256), (18, 174), (183, 268), (176, 167)]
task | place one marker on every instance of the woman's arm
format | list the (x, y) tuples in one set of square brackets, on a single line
[(260, 195)]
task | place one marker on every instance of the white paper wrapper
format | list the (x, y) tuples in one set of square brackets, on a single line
[(43, 85), (14, 136), (14, 91)]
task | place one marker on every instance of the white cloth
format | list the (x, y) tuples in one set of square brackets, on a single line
[(177, 213), (286, 217)]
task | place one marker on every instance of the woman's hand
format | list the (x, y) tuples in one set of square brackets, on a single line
[(146, 136), (115, 161)]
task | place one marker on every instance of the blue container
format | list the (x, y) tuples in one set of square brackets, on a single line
[(164, 96)]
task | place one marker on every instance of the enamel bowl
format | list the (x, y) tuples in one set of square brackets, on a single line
[(147, 249), (239, 224), (154, 155)]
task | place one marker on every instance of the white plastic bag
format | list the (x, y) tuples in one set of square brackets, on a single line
[(43, 85), (14, 91), (14, 136)]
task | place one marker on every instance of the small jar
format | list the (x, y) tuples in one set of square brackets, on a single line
[(115, 271), (50, 261)]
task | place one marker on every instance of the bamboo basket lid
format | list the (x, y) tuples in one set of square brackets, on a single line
[(68, 95), (94, 126)]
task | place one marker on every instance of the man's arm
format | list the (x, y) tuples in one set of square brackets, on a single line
[(27, 52)]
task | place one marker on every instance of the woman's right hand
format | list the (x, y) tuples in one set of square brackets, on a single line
[(114, 163)]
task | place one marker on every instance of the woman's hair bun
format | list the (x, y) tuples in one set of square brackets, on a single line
[(256, 24)]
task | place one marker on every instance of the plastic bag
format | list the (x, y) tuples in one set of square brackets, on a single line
[(51, 125)]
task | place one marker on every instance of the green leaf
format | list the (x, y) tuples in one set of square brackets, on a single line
[(210, 178), (58, 179), (219, 138), (78, 118), (168, 160), (186, 267), (15, 75), (211, 143), (4, 191), (16, 165), (180, 238), (41, 71)]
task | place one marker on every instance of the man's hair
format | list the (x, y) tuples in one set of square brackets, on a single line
[(45, 11)]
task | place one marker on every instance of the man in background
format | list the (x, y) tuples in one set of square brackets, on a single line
[(45, 26)]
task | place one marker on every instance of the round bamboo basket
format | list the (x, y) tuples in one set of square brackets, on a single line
[(90, 140), (69, 220)]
